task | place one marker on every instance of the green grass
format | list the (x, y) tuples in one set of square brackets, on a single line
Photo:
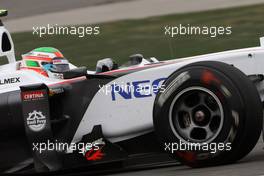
[(121, 39)]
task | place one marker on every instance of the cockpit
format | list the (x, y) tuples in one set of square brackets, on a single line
[(137, 60)]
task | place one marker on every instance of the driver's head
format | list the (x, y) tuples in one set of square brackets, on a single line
[(59, 65), (47, 61)]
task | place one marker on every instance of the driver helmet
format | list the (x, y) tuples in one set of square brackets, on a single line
[(47, 61)]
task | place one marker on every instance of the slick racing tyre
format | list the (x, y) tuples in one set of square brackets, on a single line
[(209, 113)]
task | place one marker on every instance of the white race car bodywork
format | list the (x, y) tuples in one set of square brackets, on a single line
[(124, 118)]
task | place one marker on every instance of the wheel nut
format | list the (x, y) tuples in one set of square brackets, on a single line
[(199, 116)]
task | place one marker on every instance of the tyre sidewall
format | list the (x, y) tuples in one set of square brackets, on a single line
[(226, 92)]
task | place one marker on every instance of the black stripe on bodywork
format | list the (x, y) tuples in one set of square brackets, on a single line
[(66, 112), (13, 145)]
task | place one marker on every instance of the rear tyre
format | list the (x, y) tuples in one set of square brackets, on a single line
[(209, 114)]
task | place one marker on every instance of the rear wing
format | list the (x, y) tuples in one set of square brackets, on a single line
[(6, 42)]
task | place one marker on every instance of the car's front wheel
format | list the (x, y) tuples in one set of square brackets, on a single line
[(209, 113)]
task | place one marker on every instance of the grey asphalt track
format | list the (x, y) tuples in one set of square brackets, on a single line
[(252, 165)]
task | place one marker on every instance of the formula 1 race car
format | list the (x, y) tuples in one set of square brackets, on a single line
[(86, 118)]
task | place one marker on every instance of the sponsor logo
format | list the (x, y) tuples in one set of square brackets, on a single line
[(56, 75), (175, 84), (34, 95), (60, 61), (36, 121), (137, 89), (9, 80), (43, 55), (95, 153)]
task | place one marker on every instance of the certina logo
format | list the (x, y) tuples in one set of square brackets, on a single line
[(137, 89), (9, 80), (33, 95), (36, 121)]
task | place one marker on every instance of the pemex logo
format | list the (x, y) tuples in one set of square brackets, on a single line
[(36, 121)]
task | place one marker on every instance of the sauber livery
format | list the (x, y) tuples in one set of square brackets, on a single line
[(136, 89), (139, 107)]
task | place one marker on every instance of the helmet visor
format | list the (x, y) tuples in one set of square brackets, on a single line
[(61, 65)]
